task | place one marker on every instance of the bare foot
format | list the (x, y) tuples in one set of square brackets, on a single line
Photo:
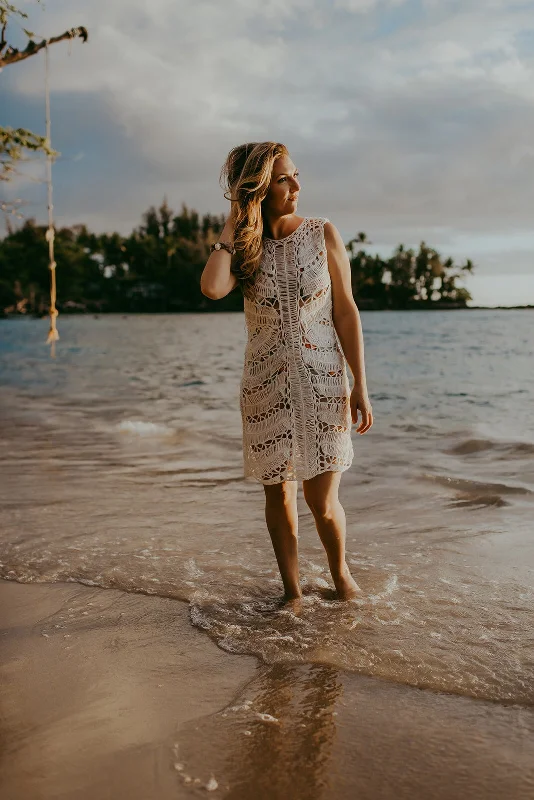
[(346, 586)]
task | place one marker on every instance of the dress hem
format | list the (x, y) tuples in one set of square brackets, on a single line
[(252, 478)]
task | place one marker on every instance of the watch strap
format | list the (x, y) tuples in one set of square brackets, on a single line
[(223, 246)]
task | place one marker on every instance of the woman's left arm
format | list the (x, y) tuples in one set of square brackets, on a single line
[(347, 323)]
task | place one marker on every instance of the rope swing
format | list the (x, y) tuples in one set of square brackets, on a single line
[(53, 334)]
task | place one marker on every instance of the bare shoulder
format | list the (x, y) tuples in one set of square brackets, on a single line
[(332, 237), (340, 272)]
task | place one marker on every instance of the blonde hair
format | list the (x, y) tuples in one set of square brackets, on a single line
[(247, 174)]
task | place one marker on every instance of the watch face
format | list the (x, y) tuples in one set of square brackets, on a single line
[(217, 246)]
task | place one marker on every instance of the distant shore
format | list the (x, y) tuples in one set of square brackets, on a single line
[(87, 312)]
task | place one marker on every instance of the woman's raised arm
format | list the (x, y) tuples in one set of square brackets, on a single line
[(216, 280)]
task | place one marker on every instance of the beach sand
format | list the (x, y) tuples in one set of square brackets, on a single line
[(108, 694)]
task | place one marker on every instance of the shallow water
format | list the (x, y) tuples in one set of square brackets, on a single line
[(121, 467)]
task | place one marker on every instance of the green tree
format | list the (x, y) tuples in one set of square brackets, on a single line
[(408, 279), (24, 263)]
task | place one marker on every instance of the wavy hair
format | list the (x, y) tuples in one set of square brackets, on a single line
[(246, 175)]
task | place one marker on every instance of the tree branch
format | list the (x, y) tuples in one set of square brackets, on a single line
[(12, 56)]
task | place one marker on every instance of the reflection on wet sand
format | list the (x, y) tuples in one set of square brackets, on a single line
[(282, 733)]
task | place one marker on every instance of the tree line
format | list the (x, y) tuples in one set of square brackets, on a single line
[(157, 268)]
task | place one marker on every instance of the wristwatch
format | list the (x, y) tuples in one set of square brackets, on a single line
[(221, 246)]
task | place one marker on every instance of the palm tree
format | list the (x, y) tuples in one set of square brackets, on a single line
[(360, 238)]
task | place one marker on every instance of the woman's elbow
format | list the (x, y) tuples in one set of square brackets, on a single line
[(207, 289), (207, 292), (221, 291), (210, 292)]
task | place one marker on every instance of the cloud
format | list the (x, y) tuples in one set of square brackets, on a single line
[(363, 6)]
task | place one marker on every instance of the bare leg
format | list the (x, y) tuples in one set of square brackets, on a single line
[(282, 522), (321, 495)]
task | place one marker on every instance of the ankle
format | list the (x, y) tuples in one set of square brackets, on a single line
[(341, 572), (294, 594)]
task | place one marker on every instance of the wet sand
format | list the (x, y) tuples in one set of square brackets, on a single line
[(108, 694)]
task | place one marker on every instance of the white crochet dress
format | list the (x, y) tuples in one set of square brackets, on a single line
[(294, 393)]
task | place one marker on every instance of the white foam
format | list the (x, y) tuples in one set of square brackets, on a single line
[(391, 585), (266, 717), (138, 427), (193, 569)]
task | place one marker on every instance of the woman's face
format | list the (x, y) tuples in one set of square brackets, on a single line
[(284, 188)]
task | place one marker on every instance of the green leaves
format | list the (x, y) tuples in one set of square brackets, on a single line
[(7, 8), (14, 144)]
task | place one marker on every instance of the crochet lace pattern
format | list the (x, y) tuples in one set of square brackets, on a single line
[(294, 393)]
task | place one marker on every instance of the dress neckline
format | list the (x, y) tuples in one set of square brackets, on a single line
[(284, 238)]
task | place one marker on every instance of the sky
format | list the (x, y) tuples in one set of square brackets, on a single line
[(410, 120)]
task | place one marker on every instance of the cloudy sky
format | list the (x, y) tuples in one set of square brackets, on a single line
[(408, 119)]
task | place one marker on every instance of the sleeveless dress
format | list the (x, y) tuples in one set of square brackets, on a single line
[(294, 392)]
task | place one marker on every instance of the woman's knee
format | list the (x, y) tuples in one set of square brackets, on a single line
[(282, 494), (321, 495), (321, 506)]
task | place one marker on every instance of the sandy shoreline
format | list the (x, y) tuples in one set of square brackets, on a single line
[(108, 694)]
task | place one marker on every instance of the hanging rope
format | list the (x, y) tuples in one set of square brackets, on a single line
[(53, 334)]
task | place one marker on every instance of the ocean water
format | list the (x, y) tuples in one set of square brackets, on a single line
[(120, 466)]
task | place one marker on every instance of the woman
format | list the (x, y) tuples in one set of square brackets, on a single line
[(302, 322)]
